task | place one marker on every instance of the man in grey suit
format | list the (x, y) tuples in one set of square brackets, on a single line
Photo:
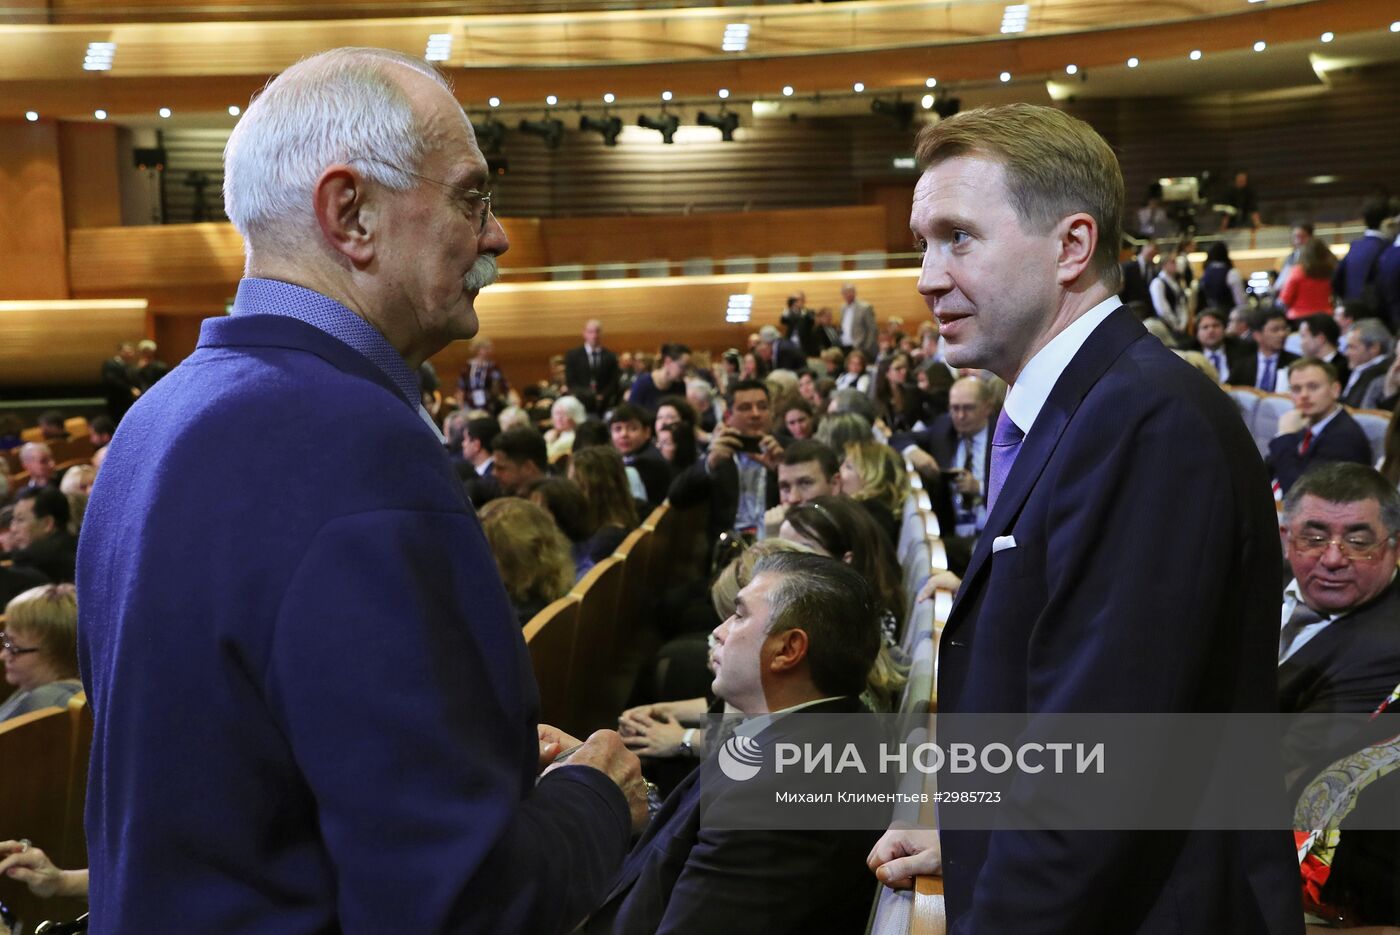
[(858, 324)]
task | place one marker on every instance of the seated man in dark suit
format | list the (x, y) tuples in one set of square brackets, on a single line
[(478, 465), (39, 533), (1220, 348), (630, 428), (954, 455), (518, 460), (1319, 335), (1339, 647), (738, 477), (785, 353), (804, 634), (1264, 369), (1329, 433), (1369, 344)]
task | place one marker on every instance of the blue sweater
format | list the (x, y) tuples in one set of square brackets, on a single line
[(314, 711)]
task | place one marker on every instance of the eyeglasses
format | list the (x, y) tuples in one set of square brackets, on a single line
[(483, 198), (11, 648), (1354, 548)]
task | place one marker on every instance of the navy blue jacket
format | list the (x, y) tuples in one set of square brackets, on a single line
[(314, 711), (1341, 440), (1122, 595), (1388, 285), (1358, 267)]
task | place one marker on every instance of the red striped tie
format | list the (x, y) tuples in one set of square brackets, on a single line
[(1307, 443)]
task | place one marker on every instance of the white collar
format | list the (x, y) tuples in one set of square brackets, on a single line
[(1027, 395), (1371, 232), (1370, 363), (484, 466), (752, 726)]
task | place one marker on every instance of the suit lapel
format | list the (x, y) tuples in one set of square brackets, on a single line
[(1104, 345), (675, 815)]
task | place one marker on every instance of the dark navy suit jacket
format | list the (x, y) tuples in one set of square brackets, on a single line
[(1341, 440), (1359, 267), (314, 710), (1120, 595)]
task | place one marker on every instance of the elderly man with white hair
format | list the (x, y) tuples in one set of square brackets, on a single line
[(36, 458), (313, 708)]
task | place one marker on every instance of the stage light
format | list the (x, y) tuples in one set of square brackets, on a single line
[(666, 125), (550, 130), (726, 123), (607, 127), (490, 136), (901, 112)]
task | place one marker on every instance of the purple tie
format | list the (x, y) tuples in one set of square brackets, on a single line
[(1006, 442)]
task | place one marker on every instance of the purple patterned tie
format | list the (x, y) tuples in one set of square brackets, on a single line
[(1006, 442)]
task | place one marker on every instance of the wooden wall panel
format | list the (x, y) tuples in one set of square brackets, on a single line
[(127, 260), (64, 342), (91, 180), (31, 213)]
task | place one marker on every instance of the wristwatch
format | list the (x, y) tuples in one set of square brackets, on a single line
[(687, 747)]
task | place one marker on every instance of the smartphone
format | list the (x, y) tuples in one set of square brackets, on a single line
[(750, 443)]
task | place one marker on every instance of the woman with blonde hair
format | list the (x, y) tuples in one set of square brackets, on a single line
[(39, 646), (874, 475), (533, 556)]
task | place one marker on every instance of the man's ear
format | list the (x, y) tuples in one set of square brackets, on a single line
[(790, 649), (344, 213), (835, 484), (1078, 237)]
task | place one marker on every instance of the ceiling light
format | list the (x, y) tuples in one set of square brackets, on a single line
[(1005, 77), (931, 82), (551, 100), (1015, 17), (666, 95), (609, 98), (1133, 62), (100, 114), (736, 37), (858, 87), (1071, 69), (926, 102), (724, 94), (234, 110), (1195, 55), (31, 115), (787, 90), (439, 47), (1260, 46), (740, 309), (494, 102), (164, 112), (1395, 26), (1328, 37), (99, 56)]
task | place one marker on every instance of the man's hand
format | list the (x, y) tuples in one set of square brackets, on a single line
[(921, 460), (553, 742), (724, 445), (770, 453), (904, 853), (773, 521), (966, 483), (939, 580), (604, 750)]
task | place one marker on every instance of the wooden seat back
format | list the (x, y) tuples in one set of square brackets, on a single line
[(550, 637)]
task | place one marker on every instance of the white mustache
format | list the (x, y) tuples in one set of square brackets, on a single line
[(482, 274)]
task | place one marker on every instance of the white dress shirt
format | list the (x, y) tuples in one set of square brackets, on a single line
[(1032, 388), (1291, 598)]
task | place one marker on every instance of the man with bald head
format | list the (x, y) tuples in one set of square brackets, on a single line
[(593, 368), (308, 646)]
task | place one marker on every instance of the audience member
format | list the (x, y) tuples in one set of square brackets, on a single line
[(36, 458), (668, 378), (841, 429), (1356, 274), (514, 417), (52, 427), (752, 366), (1301, 233), (1339, 646), (22, 861), (858, 328), (1318, 335), (119, 380), (954, 456), (630, 428), (1138, 274), (1267, 368), (563, 500), (149, 368), (854, 376), (534, 557), (803, 634), (825, 335), (482, 385), (1221, 286), (797, 420), (1368, 347), (1388, 284), (1243, 205), (612, 512), (565, 415), (708, 412), (40, 648), (478, 466), (98, 457), (839, 527), (897, 401), (518, 460), (873, 475), (40, 536), (1215, 343), (809, 470), (737, 478), (593, 367), (100, 429), (1329, 432), (1170, 301), (1308, 289), (783, 353)]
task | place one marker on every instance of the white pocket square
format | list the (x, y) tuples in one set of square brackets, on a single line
[(1002, 543)]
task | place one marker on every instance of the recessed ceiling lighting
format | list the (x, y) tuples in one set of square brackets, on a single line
[(31, 115), (439, 47), (1195, 55), (723, 94), (931, 82), (858, 87), (736, 37), (1015, 17), (1005, 77), (99, 56), (609, 98), (666, 95), (927, 102), (1133, 62), (100, 114), (1071, 69), (787, 90), (1328, 37), (234, 110), (551, 100), (494, 102), (1260, 46), (164, 112), (1395, 26)]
